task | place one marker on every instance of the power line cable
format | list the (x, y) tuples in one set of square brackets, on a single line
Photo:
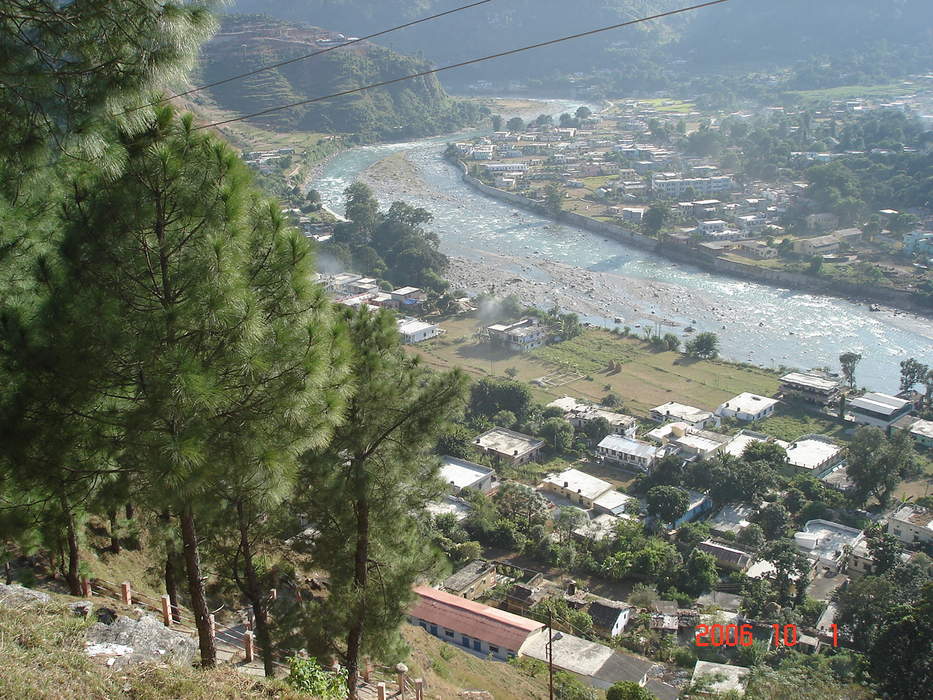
[(460, 64), (286, 62)]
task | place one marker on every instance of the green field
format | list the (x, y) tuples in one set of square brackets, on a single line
[(647, 378), (663, 104), (848, 92)]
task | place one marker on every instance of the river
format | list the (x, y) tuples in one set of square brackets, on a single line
[(493, 243)]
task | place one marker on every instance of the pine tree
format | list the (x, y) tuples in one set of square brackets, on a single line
[(370, 483)]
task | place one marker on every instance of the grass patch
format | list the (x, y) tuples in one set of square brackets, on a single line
[(647, 378), (792, 420), (844, 92)]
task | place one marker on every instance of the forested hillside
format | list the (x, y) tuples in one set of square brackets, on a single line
[(828, 42), (244, 43)]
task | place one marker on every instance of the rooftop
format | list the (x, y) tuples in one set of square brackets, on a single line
[(743, 439), (507, 442), (748, 403), (449, 504), (816, 382), (613, 501), (412, 325), (812, 452), (579, 482), (467, 575), (732, 518), (682, 412), (628, 446), (826, 539), (473, 619), (915, 515), (734, 678), (462, 473), (589, 659), (883, 404)]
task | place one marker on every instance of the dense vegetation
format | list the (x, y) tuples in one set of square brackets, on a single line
[(412, 108)]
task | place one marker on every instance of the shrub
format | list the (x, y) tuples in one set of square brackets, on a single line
[(306, 676)]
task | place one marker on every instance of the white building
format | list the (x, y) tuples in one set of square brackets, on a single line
[(747, 407), (576, 486), (725, 679), (912, 524), (813, 454), (695, 417), (461, 474), (627, 451), (521, 336), (509, 446), (827, 543), (414, 331)]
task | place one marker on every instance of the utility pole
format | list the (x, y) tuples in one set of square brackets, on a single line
[(550, 654)]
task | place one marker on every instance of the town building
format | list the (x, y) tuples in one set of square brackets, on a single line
[(689, 443), (673, 187), (879, 410), (577, 487), (920, 430), (480, 628), (579, 414), (827, 543), (414, 331), (673, 411), (813, 387), (473, 580), (697, 504), (726, 557), (747, 407), (609, 616), (732, 519), (461, 474), (912, 524), (509, 447), (595, 664), (813, 454), (520, 336), (408, 297), (627, 452)]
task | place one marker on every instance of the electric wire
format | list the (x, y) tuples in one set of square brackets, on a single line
[(286, 62), (471, 61)]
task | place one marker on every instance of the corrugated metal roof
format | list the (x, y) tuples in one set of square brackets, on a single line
[(498, 627)]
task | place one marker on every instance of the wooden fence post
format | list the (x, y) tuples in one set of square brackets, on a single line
[(381, 691), (126, 593), (367, 669), (166, 611), (401, 670), (419, 689), (86, 587), (248, 646), (213, 624)]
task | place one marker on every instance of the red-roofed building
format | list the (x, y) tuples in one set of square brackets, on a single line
[(472, 625)]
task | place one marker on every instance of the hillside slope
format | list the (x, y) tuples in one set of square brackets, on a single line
[(412, 108)]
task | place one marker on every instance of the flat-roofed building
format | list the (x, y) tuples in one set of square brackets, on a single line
[(627, 452), (673, 411), (596, 664), (818, 388), (461, 474), (879, 410), (508, 446), (912, 524), (471, 625), (473, 580), (827, 543), (747, 407), (690, 443), (814, 454), (741, 440), (576, 486), (520, 336)]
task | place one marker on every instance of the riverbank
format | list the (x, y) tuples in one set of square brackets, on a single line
[(893, 298)]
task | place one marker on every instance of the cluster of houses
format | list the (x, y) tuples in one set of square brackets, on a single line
[(267, 161), (453, 612), (353, 290)]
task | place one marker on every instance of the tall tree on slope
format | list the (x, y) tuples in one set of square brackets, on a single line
[(364, 492)]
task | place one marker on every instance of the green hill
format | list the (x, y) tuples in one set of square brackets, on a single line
[(412, 108)]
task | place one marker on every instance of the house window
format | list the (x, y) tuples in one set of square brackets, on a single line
[(493, 650), (449, 633), (434, 630), (465, 641), (477, 645)]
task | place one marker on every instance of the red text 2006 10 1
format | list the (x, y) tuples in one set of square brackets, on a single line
[(741, 635)]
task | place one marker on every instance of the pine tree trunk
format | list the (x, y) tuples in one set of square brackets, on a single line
[(130, 511), (171, 579), (189, 536), (254, 593), (74, 551), (114, 538), (360, 577), (8, 570)]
